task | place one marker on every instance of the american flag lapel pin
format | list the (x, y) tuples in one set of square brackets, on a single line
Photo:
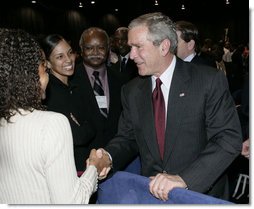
[(181, 95)]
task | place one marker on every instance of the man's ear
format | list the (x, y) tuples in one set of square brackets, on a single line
[(164, 47), (191, 44)]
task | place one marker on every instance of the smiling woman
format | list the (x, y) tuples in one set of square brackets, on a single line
[(60, 57), (60, 95)]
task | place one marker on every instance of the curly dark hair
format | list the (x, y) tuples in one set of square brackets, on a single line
[(20, 57)]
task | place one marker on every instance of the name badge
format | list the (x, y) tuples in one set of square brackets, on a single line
[(102, 101)]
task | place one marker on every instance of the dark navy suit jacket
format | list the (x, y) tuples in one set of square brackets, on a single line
[(203, 134)]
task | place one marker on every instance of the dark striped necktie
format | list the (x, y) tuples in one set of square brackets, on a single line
[(98, 91)]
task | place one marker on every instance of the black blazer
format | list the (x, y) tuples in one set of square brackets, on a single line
[(130, 71), (105, 128), (59, 98), (201, 61), (203, 134)]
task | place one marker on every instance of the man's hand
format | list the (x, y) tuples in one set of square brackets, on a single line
[(161, 184), (103, 174), (100, 159), (246, 149)]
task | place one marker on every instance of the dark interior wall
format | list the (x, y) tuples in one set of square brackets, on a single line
[(68, 22), (71, 21)]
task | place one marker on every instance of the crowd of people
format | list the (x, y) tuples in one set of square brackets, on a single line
[(152, 91)]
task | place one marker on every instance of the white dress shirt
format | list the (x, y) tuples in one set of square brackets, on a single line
[(166, 79)]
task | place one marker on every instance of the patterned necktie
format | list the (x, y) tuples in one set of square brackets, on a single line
[(98, 91), (123, 63), (159, 115)]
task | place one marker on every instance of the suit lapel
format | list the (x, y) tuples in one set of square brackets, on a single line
[(176, 106), (146, 118), (87, 91), (114, 92)]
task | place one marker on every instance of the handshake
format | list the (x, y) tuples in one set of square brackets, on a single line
[(101, 160)]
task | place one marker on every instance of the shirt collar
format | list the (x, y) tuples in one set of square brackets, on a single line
[(126, 56), (190, 57), (167, 75), (90, 70)]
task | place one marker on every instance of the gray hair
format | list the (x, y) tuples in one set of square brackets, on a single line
[(91, 30), (122, 29), (160, 27)]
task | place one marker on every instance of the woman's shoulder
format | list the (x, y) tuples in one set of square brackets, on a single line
[(49, 115), (51, 120)]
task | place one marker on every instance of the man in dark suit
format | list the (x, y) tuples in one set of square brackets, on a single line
[(94, 44), (199, 122), (188, 44), (124, 64)]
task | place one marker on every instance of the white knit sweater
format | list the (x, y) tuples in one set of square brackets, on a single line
[(37, 161)]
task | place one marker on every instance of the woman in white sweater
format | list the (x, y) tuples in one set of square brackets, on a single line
[(36, 147)]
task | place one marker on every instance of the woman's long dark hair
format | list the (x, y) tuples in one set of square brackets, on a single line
[(49, 43)]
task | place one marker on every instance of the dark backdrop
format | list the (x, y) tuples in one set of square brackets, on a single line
[(65, 17)]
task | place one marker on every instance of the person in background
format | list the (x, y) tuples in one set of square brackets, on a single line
[(239, 188), (217, 52), (243, 112), (60, 93), (112, 57), (245, 119), (188, 43), (179, 117), (124, 64), (94, 44), (227, 52), (36, 147), (99, 89), (206, 52)]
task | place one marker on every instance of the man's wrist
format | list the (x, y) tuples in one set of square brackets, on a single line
[(110, 158)]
